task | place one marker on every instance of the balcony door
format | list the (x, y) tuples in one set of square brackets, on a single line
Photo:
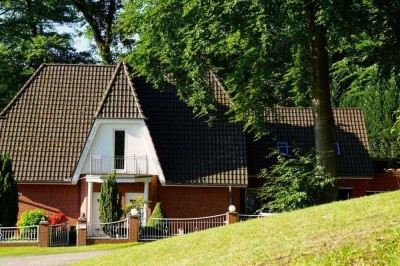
[(119, 151)]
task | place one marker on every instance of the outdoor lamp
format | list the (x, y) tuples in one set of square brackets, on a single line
[(232, 208), (134, 212)]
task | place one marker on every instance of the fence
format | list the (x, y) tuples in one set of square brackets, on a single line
[(59, 234), (115, 230), (159, 228), (19, 234)]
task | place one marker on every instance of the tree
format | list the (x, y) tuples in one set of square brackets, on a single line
[(365, 73), (295, 181), (8, 193), (28, 38), (267, 53), (110, 200), (100, 16)]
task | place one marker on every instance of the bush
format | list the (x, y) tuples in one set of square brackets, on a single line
[(110, 200), (8, 193), (157, 213), (294, 182), (137, 203), (32, 217), (58, 218)]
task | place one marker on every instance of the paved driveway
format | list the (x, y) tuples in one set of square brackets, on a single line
[(53, 259)]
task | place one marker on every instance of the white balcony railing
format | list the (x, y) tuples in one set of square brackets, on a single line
[(133, 165)]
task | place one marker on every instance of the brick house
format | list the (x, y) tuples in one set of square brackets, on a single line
[(71, 125)]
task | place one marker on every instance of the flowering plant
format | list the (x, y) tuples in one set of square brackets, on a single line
[(58, 218)]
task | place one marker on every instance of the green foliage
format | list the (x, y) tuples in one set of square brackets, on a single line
[(294, 182), (99, 18), (110, 200), (8, 193), (260, 50), (157, 214), (28, 38), (137, 203), (33, 217)]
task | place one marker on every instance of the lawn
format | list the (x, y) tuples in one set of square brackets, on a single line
[(363, 231), (33, 251)]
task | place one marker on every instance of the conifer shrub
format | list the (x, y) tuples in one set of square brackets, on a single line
[(8, 193), (110, 200), (157, 214)]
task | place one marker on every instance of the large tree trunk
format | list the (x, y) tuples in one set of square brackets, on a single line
[(324, 125)]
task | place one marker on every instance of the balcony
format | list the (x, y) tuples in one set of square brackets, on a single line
[(132, 165)]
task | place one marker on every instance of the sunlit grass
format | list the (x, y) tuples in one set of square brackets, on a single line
[(362, 231)]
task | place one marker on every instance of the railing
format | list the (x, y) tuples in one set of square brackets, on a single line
[(19, 234), (135, 165), (59, 234), (116, 230), (159, 228)]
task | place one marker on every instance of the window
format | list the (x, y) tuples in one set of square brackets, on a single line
[(283, 147), (345, 193), (119, 149), (337, 148)]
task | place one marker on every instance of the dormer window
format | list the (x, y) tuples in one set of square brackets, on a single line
[(119, 149), (337, 148), (283, 147)]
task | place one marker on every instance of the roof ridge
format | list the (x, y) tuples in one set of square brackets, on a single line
[(21, 91), (108, 89), (82, 65), (133, 89)]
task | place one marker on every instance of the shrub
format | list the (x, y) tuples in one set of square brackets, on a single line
[(58, 218), (32, 217), (110, 200), (157, 213), (137, 203), (8, 193), (294, 182)]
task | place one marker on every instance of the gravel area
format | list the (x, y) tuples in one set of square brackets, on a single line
[(52, 259)]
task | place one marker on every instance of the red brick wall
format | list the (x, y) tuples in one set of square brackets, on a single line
[(52, 199), (381, 182), (187, 202)]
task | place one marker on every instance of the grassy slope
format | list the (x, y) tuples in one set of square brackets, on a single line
[(358, 231), (34, 251)]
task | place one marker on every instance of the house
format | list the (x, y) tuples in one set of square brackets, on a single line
[(71, 125)]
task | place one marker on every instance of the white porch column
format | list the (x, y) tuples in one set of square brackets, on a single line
[(146, 198), (90, 201)]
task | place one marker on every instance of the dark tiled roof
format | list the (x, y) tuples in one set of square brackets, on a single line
[(191, 152), (47, 124), (48, 121), (295, 126), (118, 101)]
